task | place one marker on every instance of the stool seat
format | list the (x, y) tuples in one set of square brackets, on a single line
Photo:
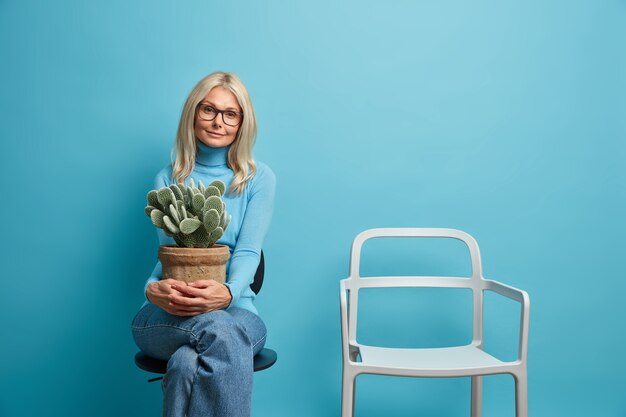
[(262, 360)]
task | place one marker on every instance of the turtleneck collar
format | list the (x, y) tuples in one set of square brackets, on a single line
[(211, 157)]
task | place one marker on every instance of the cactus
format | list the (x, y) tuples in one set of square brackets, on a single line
[(220, 186), (211, 219), (165, 197), (177, 192), (214, 202), (192, 216), (212, 190)]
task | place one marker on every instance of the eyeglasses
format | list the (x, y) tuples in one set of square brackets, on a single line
[(230, 117)]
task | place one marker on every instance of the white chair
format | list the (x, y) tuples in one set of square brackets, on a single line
[(458, 361)]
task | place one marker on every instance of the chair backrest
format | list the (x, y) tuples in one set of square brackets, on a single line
[(258, 276), (476, 282), (359, 240)]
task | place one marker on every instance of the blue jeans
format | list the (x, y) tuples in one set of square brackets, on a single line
[(210, 367)]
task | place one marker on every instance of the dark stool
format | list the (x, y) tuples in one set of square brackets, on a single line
[(262, 360)]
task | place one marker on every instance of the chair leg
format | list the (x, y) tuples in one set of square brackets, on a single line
[(521, 395), (477, 396), (347, 394)]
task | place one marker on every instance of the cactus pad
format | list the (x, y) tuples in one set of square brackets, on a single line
[(216, 234), (212, 190), (214, 202), (188, 226), (169, 224), (211, 219), (219, 185), (187, 241), (177, 192), (227, 222), (202, 238), (166, 196), (182, 210), (156, 216), (149, 209), (197, 203), (153, 200), (174, 216)]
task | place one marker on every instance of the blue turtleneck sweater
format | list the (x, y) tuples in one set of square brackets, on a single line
[(251, 211)]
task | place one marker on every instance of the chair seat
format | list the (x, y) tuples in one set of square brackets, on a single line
[(263, 360), (447, 361)]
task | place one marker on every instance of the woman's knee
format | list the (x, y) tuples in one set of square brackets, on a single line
[(219, 330)]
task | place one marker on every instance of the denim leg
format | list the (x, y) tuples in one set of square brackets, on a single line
[(210, 358), (178, 381)]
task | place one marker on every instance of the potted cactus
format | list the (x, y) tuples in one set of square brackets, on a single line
[(195, 217)]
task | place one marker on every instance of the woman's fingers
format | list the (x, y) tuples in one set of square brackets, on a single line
[(188, 290), (186, 304), (182, 312), (179, 310), (205, 283), (184, 300)]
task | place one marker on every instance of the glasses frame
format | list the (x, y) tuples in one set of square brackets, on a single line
[(218, 112)]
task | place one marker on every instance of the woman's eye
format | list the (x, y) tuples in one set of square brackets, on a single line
[(230, 114), (208, 109)]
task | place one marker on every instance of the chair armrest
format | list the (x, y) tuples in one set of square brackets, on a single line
[(507, 291), (521, 297)]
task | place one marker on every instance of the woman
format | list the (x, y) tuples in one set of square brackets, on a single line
[(209, 332)]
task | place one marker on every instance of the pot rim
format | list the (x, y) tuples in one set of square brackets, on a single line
[(215, 246)]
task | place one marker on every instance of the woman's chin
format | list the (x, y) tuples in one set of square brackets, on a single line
[(213, 142)]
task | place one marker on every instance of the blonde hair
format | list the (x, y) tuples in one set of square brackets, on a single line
[(240, 153)]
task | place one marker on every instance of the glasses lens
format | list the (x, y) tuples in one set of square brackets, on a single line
[(231, 118), (207, 112)]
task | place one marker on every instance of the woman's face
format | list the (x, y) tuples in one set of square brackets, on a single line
[(221, 105)]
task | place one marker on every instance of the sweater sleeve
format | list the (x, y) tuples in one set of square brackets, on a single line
[(256, 222), (161, 180)]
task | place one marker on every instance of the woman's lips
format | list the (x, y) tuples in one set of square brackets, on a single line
[(214, 134)]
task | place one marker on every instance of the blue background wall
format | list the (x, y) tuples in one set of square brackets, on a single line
[(501, 118)]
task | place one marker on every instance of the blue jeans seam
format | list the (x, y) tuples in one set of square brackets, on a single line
[(259, 341), (154, 326), (162, 325)]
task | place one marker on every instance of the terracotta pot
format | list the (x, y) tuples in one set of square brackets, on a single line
[(193, 264)]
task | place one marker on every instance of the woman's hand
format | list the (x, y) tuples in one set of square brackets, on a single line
[(158, 293), (198, 297)]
